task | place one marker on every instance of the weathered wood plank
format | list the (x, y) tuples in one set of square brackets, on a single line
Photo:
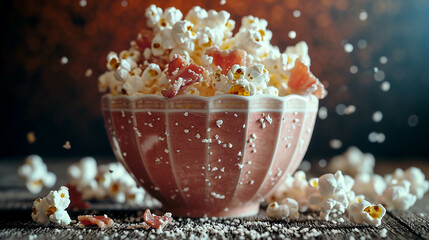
[(16, 223)]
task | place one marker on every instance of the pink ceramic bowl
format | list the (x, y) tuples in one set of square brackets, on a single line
[(210, 156)]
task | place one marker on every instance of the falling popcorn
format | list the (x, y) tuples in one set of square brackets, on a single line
[(287, 209), (52, 208), (365, 212), (35, 174), (31, 137), (67, 145)]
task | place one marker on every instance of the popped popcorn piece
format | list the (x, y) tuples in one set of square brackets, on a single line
[(157, 222), (333, 194), (365, 212), (294, 187), (369, 185), (82, 176), (418, 185), (397, 196), (35, 174), (102, 222), (52, 208), (353, 162), (277, 212), (288, 209)]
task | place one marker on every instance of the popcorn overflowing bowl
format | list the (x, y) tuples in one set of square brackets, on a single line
[(210, 156)]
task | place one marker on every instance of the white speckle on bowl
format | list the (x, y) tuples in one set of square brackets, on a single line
[(219, 123)]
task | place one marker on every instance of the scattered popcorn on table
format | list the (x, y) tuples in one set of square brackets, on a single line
[(295, 187), (52, 208), (353, 162), (365, 212), (36, 174), (397, 196), (200, 55), (333, 194), (418, 184), (277, 212), (107, 181)]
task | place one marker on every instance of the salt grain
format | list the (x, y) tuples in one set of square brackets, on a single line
[(323, 113), (363, 16), (348, 48), (377, 116), (385, 86), (335, 143), (296, 13), (292, 34), (64, 60)]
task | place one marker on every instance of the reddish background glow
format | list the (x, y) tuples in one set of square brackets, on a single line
[(58, 102)]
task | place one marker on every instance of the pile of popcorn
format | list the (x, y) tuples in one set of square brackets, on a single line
[(35, 174), (110, 181), (200, 55), (334, 194)]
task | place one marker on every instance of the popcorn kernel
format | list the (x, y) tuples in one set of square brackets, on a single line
[(374, 211)]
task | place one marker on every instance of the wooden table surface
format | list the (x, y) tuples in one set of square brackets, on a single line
[(16, 222)]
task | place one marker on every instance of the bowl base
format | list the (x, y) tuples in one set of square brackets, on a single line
[(245, 210)]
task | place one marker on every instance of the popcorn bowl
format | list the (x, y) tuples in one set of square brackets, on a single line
[(210, 156)]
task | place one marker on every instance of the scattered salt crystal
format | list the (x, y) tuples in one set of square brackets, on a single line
[(383, 233), (296, 13), (219, 123), (82, 3), (64, 60), (335, 143), (363, 15), (323, 113), (385, 86), (377, 116), (222, 2), (348, 47), (186, 130), (354, 69), (292, 34), (186, 114)]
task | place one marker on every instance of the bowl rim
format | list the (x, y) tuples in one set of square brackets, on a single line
[(309, 97)]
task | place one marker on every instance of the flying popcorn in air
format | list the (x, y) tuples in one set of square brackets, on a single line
[(36, 175)]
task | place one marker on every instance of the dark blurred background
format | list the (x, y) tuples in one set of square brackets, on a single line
[(373, 54)]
